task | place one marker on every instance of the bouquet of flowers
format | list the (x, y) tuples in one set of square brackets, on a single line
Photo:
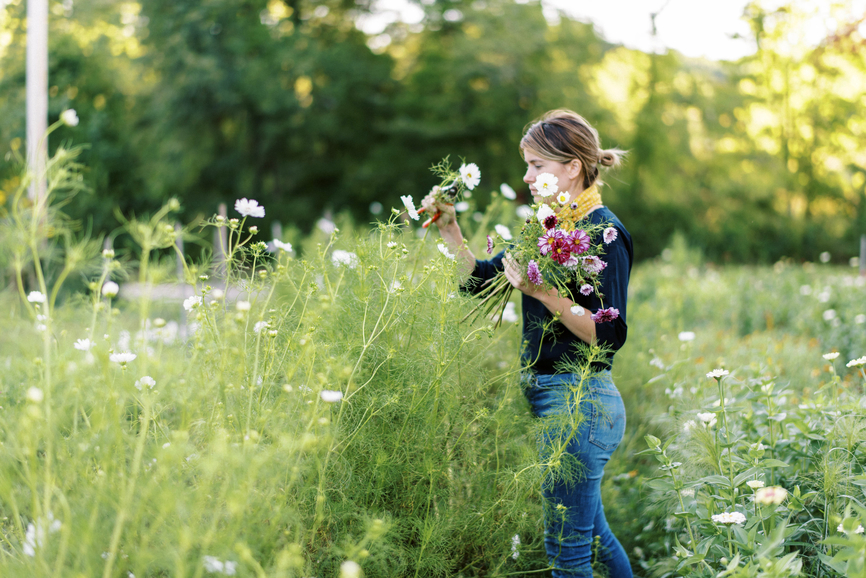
[(452, 184), (555, 250)]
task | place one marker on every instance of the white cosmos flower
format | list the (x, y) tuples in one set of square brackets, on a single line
[(391, 244), (461, 207), (578, 310), (610, 234), (83, 344), (524, 211), (755, 484), (146, 380), (829, 315), (192, 302), (122, 358), (562, 197), (545, 184), (686, 336), (509, 315), (350, 569), (507, 192), (69, 117), (287, 247), (331, 396), (110, 289), (243, 305), (471, 175), (859, 362), (831, 356), (36, 297), (410, 206), (249, 208), (543, 212), (718, 373), (326, 226), (444, 250), (257, 328), (35, 395), (729, 518), (503, 232), (860, 319), (347, 258)]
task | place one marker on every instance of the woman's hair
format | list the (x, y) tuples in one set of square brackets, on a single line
[(562, 136)]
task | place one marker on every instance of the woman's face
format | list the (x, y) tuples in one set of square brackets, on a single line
[(567, 173)]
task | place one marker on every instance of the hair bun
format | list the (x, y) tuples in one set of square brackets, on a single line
[(610, 157)]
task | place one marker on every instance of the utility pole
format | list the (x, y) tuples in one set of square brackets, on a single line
[(37, 94)]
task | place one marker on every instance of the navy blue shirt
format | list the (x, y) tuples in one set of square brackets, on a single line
[(558, 344)]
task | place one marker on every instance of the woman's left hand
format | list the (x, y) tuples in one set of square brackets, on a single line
[(515, 276)]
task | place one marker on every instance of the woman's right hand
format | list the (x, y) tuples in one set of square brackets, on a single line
[(432, 206)]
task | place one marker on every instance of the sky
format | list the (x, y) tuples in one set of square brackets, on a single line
[(695, 28)]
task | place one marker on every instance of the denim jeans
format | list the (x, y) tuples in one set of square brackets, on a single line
[(573, 513)]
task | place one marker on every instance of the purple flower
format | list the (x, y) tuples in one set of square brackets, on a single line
[(605, 315), (548, 240), (593, 264), (533, 273), (585, 289), (579, 240), (573, 206), (610, 235), (489, 244)]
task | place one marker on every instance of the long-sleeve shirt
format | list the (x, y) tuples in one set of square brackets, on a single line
[(543, 350)]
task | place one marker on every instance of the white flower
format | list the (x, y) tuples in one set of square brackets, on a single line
[(858, 530), (860, 319), (686, 336), (657, 362), (192, 302), (35, 395), (771, 495), (347, 258), (545, 184), (83, 344), (507, 192), (824, 257), (287, 247), (350, 569), (688, 492), (395, 286), (40, 327), (509, 315), (524, 211), (831, 356), (708, 418), (249, 208), (110, 289), (461, 207), (577, 310), (755, 484), (562, 197), (444, 250), (35, 535), (36, 297), (805, 290), (243, 305), (824, 295), (503, 232), (326, 226), (122, 358), (718, 373), (257, 328), (859, 362), (69, 117), (331, 396), (689, 425), (471, 175), (391, 244), (146, 380), (214, 565), (543, 212), (729, 518), (515, 542), (610, 234), (829, 315), (410, 206)]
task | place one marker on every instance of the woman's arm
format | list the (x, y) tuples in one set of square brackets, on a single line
[(450, 231)]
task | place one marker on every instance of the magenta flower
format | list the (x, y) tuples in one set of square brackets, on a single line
[(550, 221), (548, 240), (593, 264), (605, 315), (585, 289), (533, 273), (580, 241), (610, 235), (489, 244), (560, 251)]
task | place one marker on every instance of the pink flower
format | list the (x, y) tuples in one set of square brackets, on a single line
[(580, 240), (548, 240), (534, 274), (593, 264), (604, 315), (610, 235), (489, 244), (585, 289)]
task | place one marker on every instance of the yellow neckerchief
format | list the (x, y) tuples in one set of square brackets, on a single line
[(585, 201)]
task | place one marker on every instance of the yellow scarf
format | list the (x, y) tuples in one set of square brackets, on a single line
[(583, 203)]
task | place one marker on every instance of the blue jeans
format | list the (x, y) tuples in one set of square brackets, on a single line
[(583, 424)]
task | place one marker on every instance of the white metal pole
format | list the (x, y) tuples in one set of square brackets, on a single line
[(37, 93)]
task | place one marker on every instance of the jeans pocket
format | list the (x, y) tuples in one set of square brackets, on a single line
[(608, 419)]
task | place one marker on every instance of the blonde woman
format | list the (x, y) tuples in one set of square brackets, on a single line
[(564, 144)]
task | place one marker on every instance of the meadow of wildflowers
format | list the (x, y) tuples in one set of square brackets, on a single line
[(325, 413)]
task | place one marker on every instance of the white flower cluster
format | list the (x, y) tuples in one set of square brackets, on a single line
[(859, 362), (729, 518), (771, 495), (36, 534), (515, 543), (214, 565), (858, 530), (718, 373)]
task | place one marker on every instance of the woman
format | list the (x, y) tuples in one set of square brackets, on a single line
[(562, 143)]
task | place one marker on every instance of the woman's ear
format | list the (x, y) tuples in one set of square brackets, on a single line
[(572, 169)]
